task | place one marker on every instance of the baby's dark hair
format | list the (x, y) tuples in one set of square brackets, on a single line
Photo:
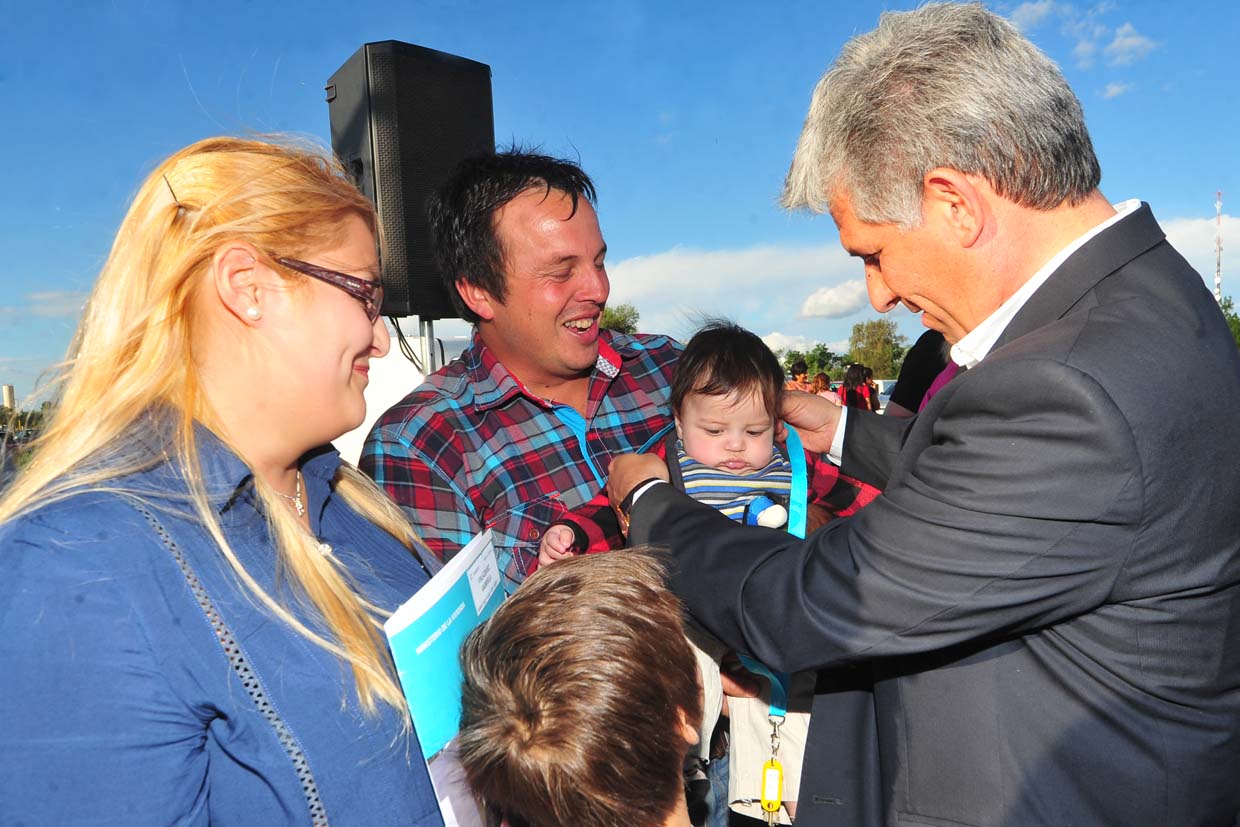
[(723, 357)]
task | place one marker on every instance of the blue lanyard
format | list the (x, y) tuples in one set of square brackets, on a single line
[(662, 432), (798, 500), (778, 681), (798, 497)]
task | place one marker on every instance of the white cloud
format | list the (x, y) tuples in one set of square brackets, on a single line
[(834, 302), (782, 341), (763, 289), (1128, 46), (1083, 28), (758, 287), (1114, 90), (1194, 239), (1087, 34), (1084, 51), (1027, 16), (56, 303)]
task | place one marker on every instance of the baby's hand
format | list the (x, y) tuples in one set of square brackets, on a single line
[(556, 544)]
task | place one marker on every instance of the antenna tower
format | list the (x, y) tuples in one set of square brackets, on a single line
[(1218, 246)]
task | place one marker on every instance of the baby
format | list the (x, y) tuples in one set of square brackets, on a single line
[(725, 400)]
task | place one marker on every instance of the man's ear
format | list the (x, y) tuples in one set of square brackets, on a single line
[(237, 281), (680, 434), (481, 302), (688, 732), (953, 201)]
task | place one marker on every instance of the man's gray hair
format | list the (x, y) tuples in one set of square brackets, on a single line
[(947, 85)]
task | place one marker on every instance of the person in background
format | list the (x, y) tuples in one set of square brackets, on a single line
[(821, 385), (924, 361), (871, 388), (191, 582), (522, 426), (800, 377), (581, 698), (854, 393)]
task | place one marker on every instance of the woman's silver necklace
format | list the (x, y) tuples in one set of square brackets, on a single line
[(295, 497)]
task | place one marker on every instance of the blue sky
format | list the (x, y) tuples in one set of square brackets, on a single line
[(684, 113)]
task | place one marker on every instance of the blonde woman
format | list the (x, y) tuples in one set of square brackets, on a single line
[(190, 585)]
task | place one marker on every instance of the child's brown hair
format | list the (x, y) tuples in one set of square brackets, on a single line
[(576, 694), (723, 357)]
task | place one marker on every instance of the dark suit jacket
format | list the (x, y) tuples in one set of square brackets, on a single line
[(1047, 595)]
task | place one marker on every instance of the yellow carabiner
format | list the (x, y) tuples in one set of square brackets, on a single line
[(772, 785)]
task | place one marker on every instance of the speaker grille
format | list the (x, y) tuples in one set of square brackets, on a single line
[(425, 111)]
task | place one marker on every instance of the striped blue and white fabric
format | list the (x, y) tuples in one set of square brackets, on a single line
[(730, 493)]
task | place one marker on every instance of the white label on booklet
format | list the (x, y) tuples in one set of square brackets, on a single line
[(483, 579)]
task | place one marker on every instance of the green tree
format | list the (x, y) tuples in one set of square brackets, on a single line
[(621, 318), (878, 346), (788, 357), (822, 359), (1233, 318), (818, 359)]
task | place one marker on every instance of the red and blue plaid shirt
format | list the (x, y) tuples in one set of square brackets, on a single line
[(471, 448)]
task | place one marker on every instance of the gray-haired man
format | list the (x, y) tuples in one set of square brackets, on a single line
[(1047, 594)]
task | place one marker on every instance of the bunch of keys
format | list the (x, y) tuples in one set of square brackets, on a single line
[(773, 777)]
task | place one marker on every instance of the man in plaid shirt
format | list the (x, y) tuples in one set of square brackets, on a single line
[(522, 427)]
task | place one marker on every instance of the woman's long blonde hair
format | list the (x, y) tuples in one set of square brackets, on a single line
[(133, 353)]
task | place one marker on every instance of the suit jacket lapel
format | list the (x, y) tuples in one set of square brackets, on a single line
[(1101, 256)]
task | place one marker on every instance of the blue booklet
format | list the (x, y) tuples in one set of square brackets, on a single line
[(425, 635)]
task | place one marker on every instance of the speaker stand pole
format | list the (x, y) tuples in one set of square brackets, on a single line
[(426, 341)]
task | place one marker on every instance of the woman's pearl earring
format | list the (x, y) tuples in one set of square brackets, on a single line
[(253, 314)]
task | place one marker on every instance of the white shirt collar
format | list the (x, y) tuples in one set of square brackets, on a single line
[(974, 346)]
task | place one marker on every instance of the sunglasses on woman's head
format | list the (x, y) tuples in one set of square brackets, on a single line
[(369, 293)]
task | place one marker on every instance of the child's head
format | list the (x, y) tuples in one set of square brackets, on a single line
[(581, 696), (725, 397)]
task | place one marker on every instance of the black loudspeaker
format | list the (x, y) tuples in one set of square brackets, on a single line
[(402, 118)]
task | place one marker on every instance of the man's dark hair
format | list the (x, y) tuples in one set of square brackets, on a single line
[(798, 367), (462, 214), (723, 357)]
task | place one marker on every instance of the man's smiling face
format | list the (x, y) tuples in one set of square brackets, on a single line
[(545, 331)]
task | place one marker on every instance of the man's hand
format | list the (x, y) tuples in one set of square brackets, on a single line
[(735, 680), (629, 471), (738, 682), (814, 417), (557, 544)]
